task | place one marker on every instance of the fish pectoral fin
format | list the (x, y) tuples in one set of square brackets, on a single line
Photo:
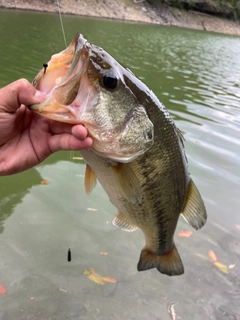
[(90, 180), (169, 263), (122, 222), (128, 182), (194, 211)]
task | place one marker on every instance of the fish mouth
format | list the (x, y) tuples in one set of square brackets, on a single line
[(53, 111), (76, 83), (62, 80)]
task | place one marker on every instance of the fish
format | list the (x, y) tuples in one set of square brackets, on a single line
[(138, 153)]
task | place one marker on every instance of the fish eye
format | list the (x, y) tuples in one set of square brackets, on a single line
[(110, 82)]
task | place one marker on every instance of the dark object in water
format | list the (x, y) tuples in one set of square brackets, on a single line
[(69, 255)]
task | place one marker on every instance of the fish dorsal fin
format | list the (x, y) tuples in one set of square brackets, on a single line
[(194, 211), (90, 180), (122, 222), (128, 182)]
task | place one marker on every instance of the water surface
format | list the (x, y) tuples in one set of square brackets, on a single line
[(197, 76)]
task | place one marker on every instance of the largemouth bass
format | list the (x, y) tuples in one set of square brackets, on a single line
[(137, 154)]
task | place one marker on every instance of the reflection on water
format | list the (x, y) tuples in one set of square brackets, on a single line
[(12, 193), (197, 76)]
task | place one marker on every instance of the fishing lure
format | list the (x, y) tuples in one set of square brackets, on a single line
[(45, 65), (69, 255)]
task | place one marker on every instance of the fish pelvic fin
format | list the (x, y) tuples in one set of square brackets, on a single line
[(90, 180), (128, 182), (169, 263), (122, 222), (194, 211)]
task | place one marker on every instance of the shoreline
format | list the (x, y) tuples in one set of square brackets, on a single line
[(134, 11)]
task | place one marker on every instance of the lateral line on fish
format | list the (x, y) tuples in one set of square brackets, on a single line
[(61, 22)]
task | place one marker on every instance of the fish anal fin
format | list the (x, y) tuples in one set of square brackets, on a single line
[(194, 211), (90, 180), (122, 222), (169, 263), (128, 182)]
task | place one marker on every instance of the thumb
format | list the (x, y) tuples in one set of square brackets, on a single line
[(17, 93)]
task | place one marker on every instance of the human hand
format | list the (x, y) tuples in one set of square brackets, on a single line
[(26, 138)]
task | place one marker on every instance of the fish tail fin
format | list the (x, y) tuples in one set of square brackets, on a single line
[(169, 263)]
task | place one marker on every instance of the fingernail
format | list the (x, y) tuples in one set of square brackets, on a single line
[(40, 96)]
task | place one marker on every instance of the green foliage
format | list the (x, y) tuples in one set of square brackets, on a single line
[(223, 8), (232, 8)]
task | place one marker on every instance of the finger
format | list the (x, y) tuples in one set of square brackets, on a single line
[(17, 93), (66, 141), (78, 131)]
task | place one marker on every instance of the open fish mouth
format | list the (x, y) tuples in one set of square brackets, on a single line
[(86, 85), (61, 81)]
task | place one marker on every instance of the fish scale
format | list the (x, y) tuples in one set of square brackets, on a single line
[(137, 154)]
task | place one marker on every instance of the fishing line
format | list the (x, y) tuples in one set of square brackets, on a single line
[(63, 32), (69, 256), (60, 17), (35, 69)]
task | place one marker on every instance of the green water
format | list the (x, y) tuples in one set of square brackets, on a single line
[(197, 76)]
